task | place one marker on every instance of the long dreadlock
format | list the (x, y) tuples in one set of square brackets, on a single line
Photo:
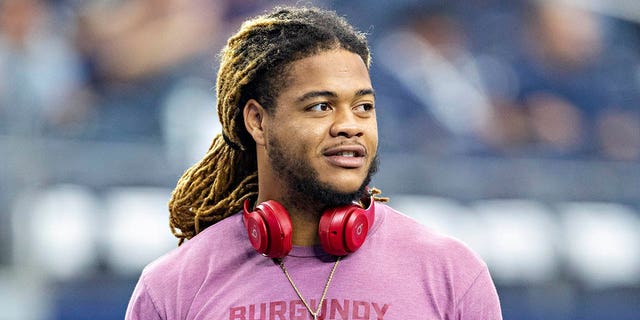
[(253, 65)]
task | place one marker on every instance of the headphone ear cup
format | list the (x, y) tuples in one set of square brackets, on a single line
[(257, 229), (343, 230), (269, 228)]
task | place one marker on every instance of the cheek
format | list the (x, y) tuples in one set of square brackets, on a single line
[(308, 134), (296, 140), (372, 133)]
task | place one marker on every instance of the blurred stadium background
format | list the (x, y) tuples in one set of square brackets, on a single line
[(513, 125)]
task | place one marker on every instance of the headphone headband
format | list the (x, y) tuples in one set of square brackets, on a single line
[(369, 208)]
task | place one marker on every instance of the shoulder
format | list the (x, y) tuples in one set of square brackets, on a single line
[(422, 239), (423, 253), (408, 239), (215, 245), (168, 286)]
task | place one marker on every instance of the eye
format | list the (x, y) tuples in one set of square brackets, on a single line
[(323, 106), (364, 107)]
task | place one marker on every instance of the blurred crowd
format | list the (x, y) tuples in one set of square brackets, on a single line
[(514, 78), (103, 70), (519, 78)]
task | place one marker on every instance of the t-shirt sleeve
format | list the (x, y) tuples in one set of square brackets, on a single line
[(480, 302), (141, 305)]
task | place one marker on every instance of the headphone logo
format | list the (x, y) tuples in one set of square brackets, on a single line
[(254, 232), (359, 229)]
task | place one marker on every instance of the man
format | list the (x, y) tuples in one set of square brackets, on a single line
[(269, 211)]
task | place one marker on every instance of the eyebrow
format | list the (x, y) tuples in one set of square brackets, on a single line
[(331, 94)]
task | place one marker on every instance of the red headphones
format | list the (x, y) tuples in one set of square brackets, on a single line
[(342, 230)]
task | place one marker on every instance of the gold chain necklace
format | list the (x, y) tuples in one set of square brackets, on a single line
[(324, 292)]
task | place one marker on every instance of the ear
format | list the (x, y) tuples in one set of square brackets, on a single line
[(254, 113)]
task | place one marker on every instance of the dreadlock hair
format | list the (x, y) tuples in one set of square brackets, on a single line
[(253, 65)]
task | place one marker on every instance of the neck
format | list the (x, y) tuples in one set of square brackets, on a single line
[(304, 219), (305, 227)]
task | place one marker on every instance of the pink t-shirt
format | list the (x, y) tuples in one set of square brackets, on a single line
[(403, 271)]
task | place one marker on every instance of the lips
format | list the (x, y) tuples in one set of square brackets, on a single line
[(346, 156)]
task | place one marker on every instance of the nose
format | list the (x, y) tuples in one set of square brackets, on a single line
[(347, 124)]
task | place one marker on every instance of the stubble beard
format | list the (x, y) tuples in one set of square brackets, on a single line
[(305, 191)]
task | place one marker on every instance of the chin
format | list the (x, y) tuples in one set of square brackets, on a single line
[(343, 184), (350, 181)]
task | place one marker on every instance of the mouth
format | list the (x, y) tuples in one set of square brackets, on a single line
[(346, 156)]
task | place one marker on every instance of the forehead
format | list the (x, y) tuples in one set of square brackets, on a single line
[(336, 70)]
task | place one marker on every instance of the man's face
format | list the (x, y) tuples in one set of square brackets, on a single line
[(322, 138)]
